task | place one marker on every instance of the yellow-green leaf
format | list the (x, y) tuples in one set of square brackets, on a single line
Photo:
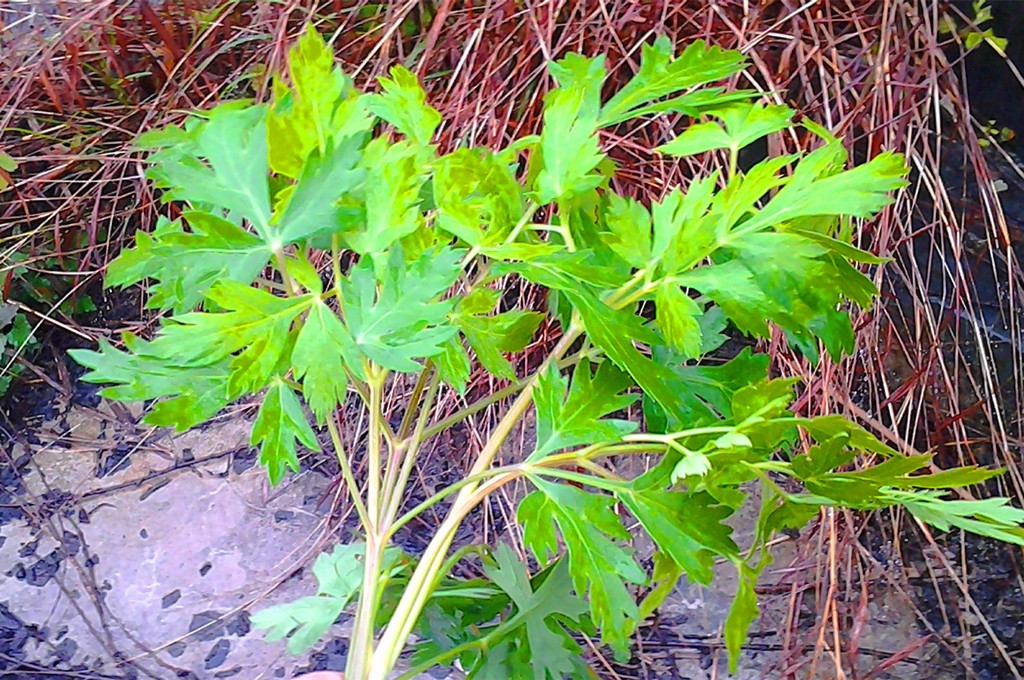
[(404, 104)]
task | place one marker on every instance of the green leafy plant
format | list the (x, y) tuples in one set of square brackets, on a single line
[(973, 34), (15, 338), (415, 247)]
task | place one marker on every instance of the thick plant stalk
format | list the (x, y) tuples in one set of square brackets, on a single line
[(361, 646)]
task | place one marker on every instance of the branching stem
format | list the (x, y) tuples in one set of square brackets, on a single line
[(395, 490), (423, 578)]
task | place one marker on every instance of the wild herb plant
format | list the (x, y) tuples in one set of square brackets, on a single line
[(418, 246)]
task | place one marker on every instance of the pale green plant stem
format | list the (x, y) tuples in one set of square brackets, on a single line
[(282, 266), (597, 470), (363, 628), (670, 437), (614, 299), (375, 379), (403, 451), (346, 471), (601, 451), (493, 398), (540, 467), (458, 556), (528, 214), (383, 505), (641, 292), (361, 646), (474, 408), (414, 400), (336, 271), (448, 491), (417, 591), (565, 230), (397, 490), (611, 485), (734, 159), (423, 578)]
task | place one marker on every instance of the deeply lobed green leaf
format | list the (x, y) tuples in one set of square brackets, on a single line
[(599, 563)]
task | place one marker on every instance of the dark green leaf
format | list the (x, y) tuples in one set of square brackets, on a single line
[(553, 652), (224, 166), (614, 332), (394, 178), (742, 124), (991, 517), (255, 323), (598, 563), (491, 336), (304, 622), (568, 141), (661, 75), (828, 427), (279, 423), (679, 319), (322, 107), (560, 270), (782, 278), (312, 208), (567, 420), (401, 322), (687, 527), (664, 578), (860, 192), (478, 198), (188, 395), (629, 230), (705, 391), (742, 614), (323, 351)]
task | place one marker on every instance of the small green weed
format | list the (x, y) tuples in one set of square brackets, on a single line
[(974, 35)]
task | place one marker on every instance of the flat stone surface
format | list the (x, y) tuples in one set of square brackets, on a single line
[(163, 574)]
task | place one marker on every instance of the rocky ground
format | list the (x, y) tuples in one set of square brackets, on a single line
[(126, 552)]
